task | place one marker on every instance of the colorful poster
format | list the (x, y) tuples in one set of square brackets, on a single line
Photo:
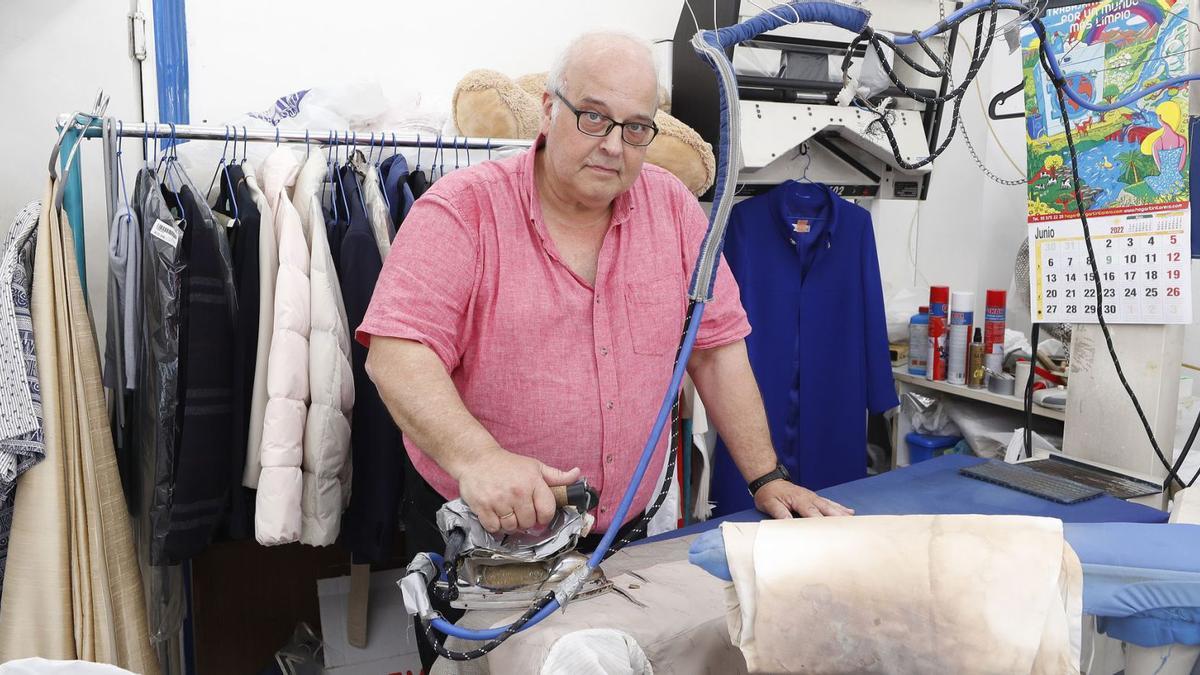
[(1133, 161)]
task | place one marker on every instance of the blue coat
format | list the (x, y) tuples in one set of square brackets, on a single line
[(806, 264)]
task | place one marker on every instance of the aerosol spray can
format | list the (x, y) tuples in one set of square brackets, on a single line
[(939, 301), (975, 361), (993, 319), (962, 319)]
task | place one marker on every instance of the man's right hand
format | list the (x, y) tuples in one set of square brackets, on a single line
[(510, 492)]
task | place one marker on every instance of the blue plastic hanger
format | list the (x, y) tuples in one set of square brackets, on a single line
[(220, 163)]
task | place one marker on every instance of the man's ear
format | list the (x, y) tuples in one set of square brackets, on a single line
[(547, 105)]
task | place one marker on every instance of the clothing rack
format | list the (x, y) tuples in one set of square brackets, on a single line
[(79, 126)]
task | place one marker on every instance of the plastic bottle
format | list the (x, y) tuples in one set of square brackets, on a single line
[(993, 319), (939, 301), (918, 342), (962, 319)]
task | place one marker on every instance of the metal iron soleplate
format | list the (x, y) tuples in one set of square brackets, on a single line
[(474, 597)]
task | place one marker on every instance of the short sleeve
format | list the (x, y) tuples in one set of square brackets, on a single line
[(724, 319), (427, 281)]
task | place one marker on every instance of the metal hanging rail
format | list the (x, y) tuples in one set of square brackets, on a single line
[(387, 139), (76, 126)]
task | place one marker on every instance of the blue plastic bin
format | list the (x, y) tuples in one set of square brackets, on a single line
[(926, 446)]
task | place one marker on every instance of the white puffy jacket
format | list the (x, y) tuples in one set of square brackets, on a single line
[(280, 486), (268, 269), (327, 433)]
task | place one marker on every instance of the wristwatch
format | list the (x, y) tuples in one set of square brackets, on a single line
[(780, 472)]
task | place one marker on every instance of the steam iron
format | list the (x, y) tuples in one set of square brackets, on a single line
[(510, 571)]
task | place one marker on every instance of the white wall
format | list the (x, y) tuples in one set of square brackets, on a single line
[(245, 55), (53, 58)]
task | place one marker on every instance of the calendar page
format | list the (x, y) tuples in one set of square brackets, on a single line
[(1144, 263), (1132, 163)]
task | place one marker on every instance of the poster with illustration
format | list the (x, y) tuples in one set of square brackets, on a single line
[(1133, 164)]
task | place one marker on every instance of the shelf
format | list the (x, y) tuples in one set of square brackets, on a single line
[(963, 391)]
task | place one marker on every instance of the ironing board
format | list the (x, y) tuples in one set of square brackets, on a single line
[(936, 487)]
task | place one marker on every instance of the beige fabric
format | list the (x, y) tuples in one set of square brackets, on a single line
[(377, 211), (326, 465), (679, 625), (905, 594), (72, 589), (268, 268)]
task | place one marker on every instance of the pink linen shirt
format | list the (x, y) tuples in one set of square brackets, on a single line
[(553, 368)]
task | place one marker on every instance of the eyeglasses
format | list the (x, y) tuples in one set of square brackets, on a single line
[(592, 123)]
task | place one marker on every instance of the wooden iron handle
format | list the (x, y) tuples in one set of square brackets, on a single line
[(560, 495)]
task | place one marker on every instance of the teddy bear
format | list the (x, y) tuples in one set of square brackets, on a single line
[(489, 104)]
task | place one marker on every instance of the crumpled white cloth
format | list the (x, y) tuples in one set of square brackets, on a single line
[(40, 666), (905, 594), (596, 651)]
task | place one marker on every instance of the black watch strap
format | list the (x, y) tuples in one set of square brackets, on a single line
[(780, 472)]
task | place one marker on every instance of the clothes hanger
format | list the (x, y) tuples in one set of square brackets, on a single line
[(146, 145), (379, 171), (328, 172), (166, 176), (233, 205), (245, 144), (803, 152), (441, 158), (438, 153), (121, 172), (99, 106), (350, 158), (341, 188), (220, 163), (97, 114)]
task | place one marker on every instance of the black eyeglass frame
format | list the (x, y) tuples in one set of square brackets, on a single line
[(611, 123)]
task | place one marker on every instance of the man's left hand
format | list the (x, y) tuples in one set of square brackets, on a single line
[(781, 499)]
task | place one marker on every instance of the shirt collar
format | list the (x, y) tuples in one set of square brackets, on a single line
[(623, 205), (821, 201)]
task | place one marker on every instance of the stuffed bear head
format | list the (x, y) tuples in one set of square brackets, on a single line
[(488, 104)]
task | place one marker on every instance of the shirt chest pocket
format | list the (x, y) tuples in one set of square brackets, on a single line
[(654, 315)]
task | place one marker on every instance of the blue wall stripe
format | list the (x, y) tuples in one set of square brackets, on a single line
[(171, 55)]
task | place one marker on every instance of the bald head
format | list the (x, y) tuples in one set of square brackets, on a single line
[(600, 50), (599, 76)]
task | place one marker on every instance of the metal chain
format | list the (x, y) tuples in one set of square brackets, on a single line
[(962, 125)]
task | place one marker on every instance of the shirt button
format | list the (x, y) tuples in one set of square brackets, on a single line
[(603, 509), (609, 405), (597, 301), (608, 459), (604, 351)]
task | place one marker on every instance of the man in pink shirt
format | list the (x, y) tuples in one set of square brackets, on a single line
[(523, 329)]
